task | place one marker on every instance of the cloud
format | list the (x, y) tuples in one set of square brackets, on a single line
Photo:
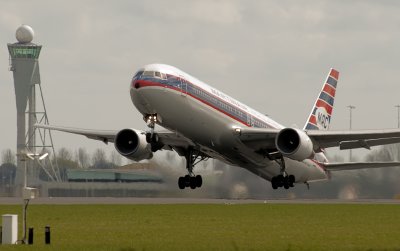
[(212, 60), (221, 12)]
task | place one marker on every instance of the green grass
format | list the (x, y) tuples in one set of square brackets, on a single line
[(213, 227)]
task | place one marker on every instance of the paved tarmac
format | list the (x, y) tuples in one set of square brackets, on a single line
[(130, 200)]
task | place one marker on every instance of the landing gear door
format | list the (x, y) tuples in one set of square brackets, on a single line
[(183, 85)]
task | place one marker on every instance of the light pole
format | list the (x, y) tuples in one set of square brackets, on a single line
[(398, 115), (27, 192), (351, 107)]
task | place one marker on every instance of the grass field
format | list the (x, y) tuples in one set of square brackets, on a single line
[(213, 227)]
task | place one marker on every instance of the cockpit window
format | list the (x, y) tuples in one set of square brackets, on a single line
[(148, 73), (156, 74), (138, 74)]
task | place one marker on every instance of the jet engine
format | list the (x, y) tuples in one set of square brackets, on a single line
[(132, 144), (294, 144)]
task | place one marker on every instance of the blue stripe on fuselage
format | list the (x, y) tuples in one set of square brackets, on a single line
[(208, 98)]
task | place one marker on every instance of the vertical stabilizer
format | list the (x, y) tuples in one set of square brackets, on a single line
[(321, 113)]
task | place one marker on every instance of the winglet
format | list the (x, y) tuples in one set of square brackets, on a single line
[(320, 116)]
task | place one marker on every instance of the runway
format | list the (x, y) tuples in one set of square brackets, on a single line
[(154, 201)]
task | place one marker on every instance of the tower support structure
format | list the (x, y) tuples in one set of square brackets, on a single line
[(31, 109)]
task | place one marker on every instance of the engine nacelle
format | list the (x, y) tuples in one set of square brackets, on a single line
[(132, 144), (294, 144)]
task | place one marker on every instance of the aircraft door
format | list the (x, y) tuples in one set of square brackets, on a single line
[(183, 86), (250, 120)]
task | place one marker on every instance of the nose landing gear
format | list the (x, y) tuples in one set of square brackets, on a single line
[(151, 120), (152, 137)]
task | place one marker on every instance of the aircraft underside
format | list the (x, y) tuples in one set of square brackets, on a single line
[(212, 133)]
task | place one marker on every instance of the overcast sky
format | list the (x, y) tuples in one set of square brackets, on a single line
[(271, 55)]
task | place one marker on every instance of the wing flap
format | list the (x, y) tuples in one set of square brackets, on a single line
[(258, 138), (357, 165), (345, 145), (354, 139)]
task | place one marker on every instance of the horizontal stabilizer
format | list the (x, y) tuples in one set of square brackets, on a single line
[(357, 165)]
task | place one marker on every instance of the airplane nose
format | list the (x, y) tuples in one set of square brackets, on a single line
[(136, 84)]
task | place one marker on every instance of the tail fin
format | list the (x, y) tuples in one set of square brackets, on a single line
[(321, 113)]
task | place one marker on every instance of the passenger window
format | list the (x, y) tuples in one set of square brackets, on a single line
[(157, 74)]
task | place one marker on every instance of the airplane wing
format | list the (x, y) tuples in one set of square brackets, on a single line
[(102, 135), (354, 139), (168, 138), (357, 165), (262, 138)]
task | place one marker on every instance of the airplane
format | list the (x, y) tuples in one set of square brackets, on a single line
[(202, 122)]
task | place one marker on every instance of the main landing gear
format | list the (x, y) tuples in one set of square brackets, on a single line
[(192, 156), (191, 180), (283, 179)]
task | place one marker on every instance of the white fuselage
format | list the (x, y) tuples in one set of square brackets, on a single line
[(207, 117)]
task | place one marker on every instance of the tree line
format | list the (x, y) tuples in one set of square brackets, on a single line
[(66, 159)]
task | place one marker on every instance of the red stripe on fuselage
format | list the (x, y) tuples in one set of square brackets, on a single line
[(319, 165), (216, 108), (145, 83)]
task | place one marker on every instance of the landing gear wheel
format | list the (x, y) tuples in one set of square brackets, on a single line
[(181, 183), (274, 183), (283, 181), (280, 180), (155, 138), (199, 181), (193, 184), (286, 184), (148, 137), (187, 180), (154, 141), (152, 138)]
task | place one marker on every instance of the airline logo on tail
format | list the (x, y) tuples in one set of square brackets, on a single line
[(321, 113)]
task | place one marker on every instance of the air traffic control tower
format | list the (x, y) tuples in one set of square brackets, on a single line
[(24, 63)]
